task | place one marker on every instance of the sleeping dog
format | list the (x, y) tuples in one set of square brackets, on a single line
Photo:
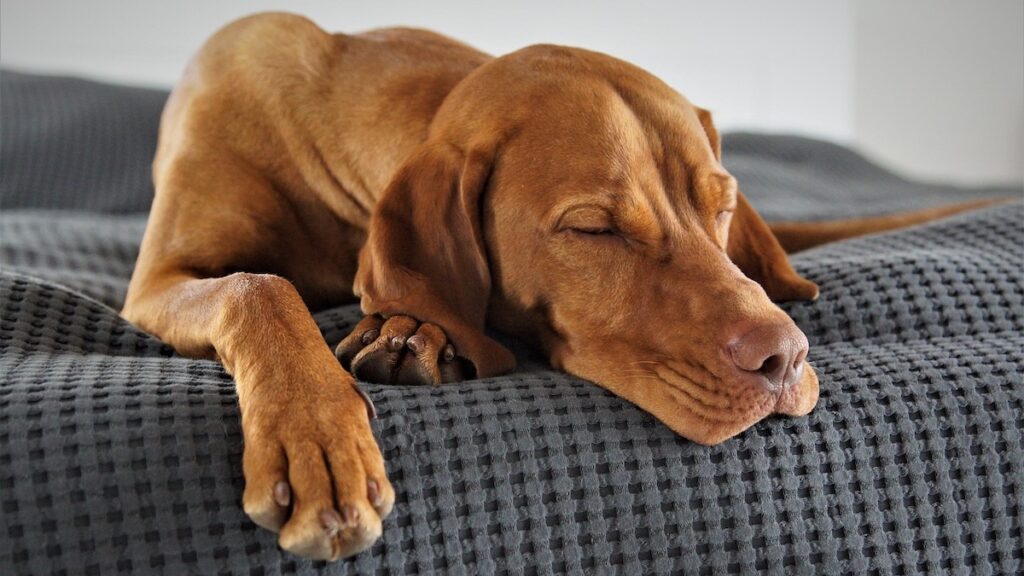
[(556, 194)]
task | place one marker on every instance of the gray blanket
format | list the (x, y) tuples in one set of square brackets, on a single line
[(118, 456)]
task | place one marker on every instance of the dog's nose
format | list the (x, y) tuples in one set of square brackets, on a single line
[(770, 354)]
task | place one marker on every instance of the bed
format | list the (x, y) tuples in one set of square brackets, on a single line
[(118, 456)]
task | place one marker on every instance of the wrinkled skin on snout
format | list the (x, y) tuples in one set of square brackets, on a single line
[(609, 234)]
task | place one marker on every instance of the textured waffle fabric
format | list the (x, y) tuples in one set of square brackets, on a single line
[(118, 456)]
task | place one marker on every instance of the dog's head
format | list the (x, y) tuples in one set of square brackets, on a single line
[(577, 201)]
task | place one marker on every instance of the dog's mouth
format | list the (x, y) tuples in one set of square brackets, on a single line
[(720, 410), (699, 405)]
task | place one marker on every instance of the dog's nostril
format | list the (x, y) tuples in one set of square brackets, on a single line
[(770, 355), (774, 369), (770, 366), (798, 371)]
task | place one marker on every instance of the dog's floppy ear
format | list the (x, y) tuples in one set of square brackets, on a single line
[(753, 248), (425, 255)]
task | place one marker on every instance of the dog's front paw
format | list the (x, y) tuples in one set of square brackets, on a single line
[(401, 350), (313, 470)]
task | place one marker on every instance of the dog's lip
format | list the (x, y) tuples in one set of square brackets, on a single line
[(747, 417), (791, 400), (667, 395), (731, 420), (800, 398)]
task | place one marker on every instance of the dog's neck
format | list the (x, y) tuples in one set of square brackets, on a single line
[(361, 152)]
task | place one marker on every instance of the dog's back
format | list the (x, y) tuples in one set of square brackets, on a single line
[(247, 150), (381, 89)]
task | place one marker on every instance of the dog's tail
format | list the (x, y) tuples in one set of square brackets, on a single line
[(797, 236)]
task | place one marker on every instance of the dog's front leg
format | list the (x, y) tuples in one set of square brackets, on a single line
[(313, 470)]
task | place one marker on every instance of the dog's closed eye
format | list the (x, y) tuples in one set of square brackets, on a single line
[(590, 220), (594, 231)]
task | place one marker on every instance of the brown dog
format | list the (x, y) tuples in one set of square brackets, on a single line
[(556, 194)]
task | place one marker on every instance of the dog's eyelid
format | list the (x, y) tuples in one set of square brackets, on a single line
[(594, 231), (589, 219)]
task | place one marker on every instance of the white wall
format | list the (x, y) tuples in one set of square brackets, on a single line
[(819, 67), (778, 65), (939, 86)]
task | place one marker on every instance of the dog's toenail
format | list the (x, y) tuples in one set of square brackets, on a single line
[(449, 353), (371, 410), (416, 343), (370, 336), (397, 343), (282, 494), (331, 522), (373, 492), (349, 515)]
